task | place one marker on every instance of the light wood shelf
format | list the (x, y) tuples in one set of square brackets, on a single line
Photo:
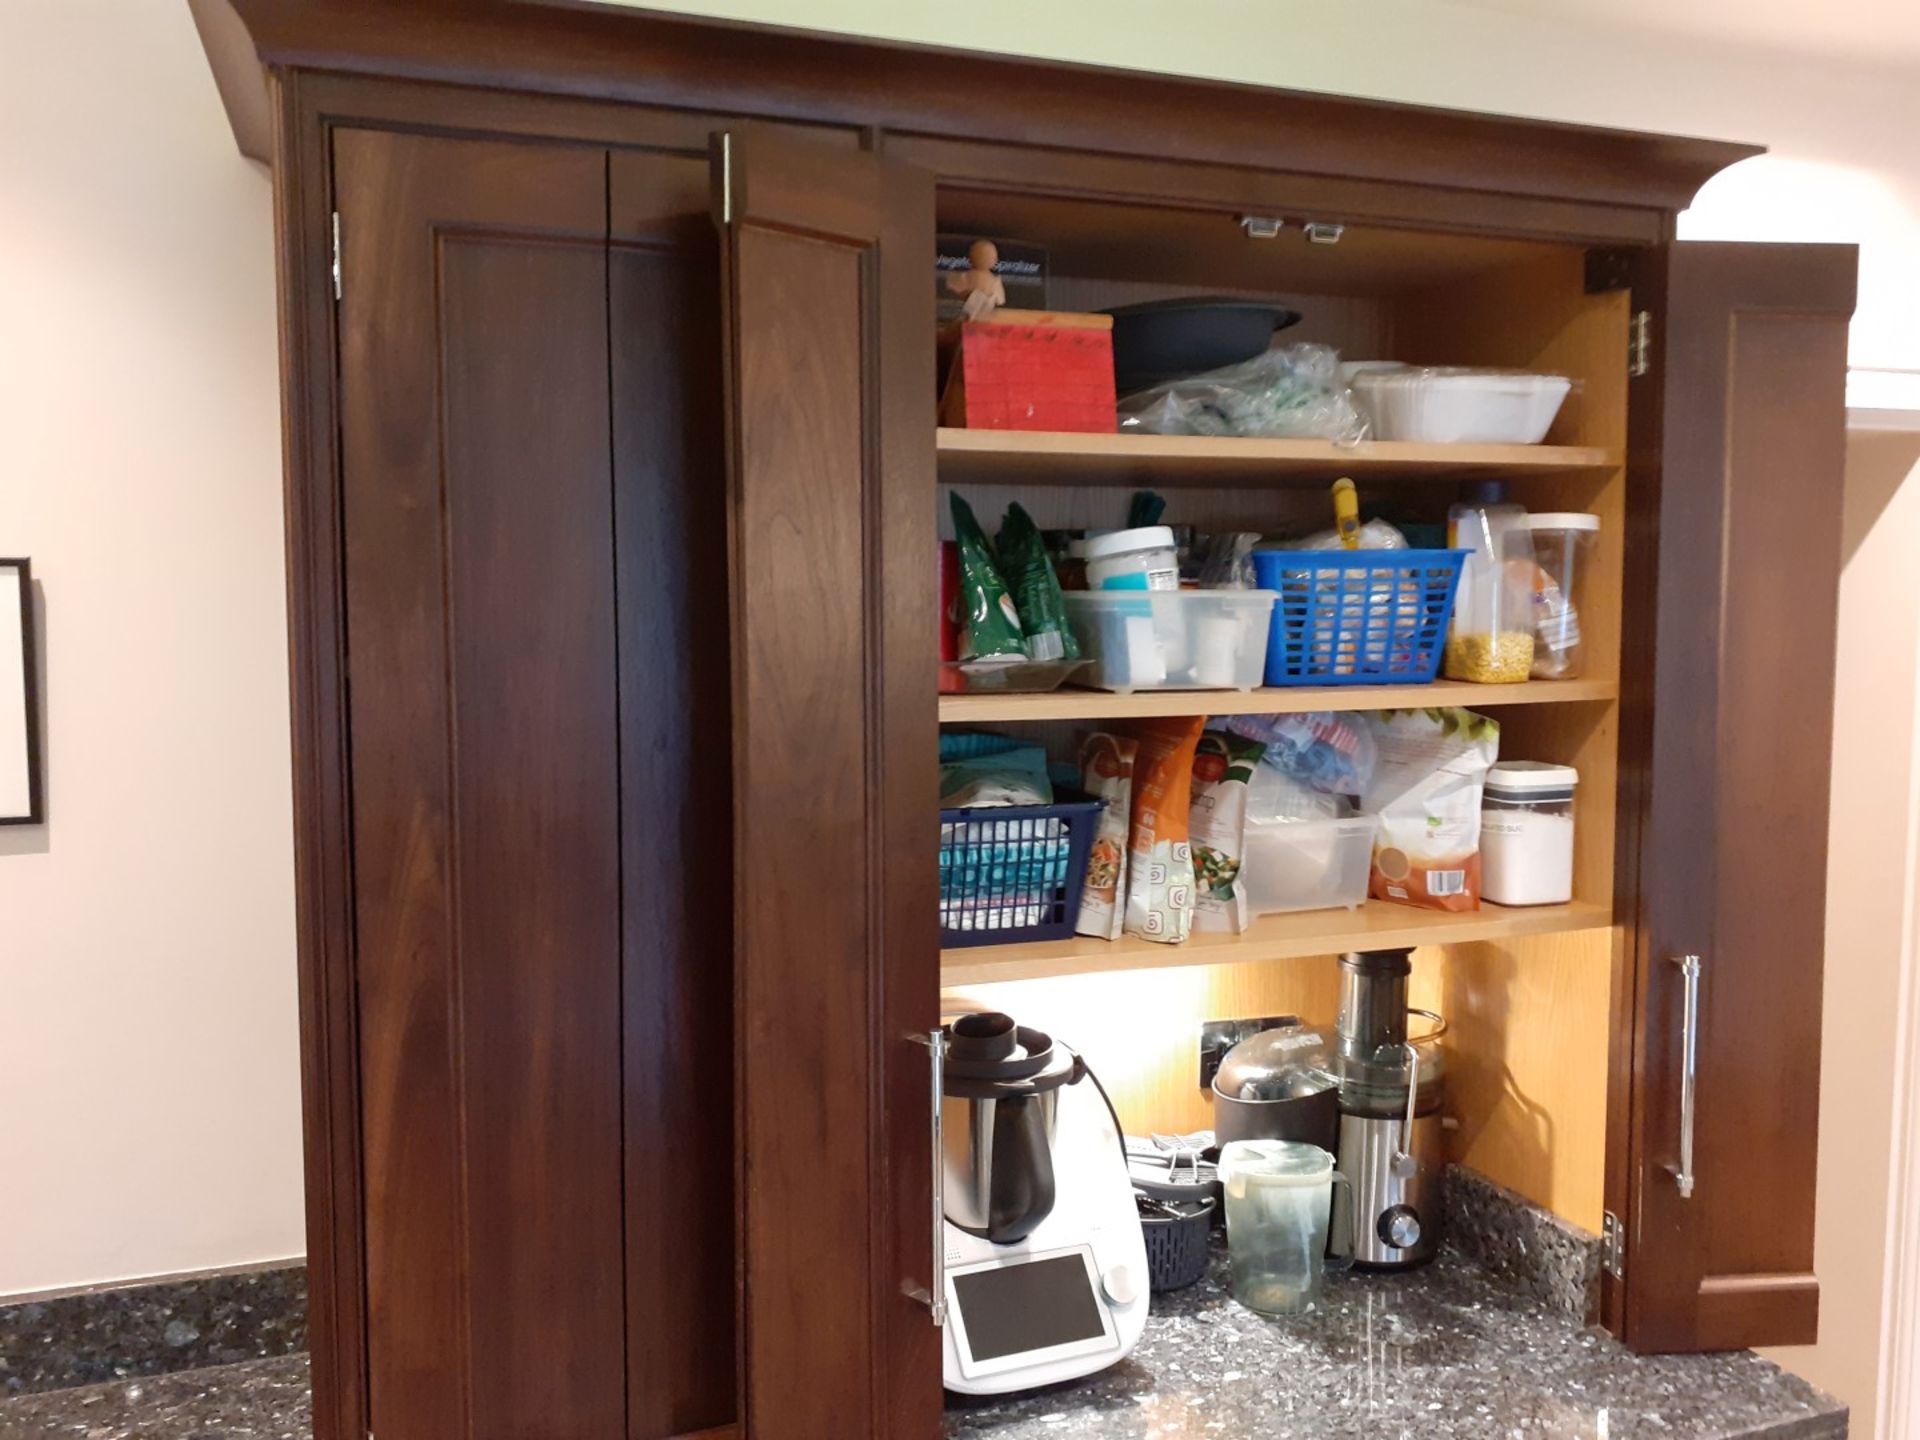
[(1374, 926), (1069, 704), (1061, 458)]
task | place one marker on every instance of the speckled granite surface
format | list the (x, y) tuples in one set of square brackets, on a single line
[(1553, 1260), (1442, 1353), (257, 1400), (147, 1329)]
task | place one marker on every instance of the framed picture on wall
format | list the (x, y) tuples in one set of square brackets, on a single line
[(20, 801)]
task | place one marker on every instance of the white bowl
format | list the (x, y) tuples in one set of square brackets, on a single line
[(1472, 407)]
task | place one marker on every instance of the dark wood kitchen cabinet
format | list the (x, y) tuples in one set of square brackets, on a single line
[(611, 485)]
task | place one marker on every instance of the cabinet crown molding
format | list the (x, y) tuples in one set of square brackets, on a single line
[(608, 53)]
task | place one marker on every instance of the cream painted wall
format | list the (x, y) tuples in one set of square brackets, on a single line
[(148, 1064), (1842, 165), (1871, 876)]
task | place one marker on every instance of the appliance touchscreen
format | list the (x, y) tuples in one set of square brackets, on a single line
[(1012, 1309)]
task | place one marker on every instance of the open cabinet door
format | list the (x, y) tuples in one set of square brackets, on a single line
[(830, 429), (1737, 443)]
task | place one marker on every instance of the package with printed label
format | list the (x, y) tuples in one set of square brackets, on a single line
[(1429, 770), (1223, 768), (1106, 772), (1159, 851)]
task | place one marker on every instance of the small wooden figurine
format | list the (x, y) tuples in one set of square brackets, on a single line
[(985, 291)]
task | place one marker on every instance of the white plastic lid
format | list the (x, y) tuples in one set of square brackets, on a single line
[(1563, 520), (1120, 542), (1510, 776)]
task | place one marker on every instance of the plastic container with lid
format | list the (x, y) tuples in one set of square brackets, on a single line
[(1526, 833), (1171, 639), (1562, 554), (1142, 559), (1491, 639)]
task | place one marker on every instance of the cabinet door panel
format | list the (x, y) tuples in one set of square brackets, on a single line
[(480, 623), (830, 416), (1737, 438), (670, 534)]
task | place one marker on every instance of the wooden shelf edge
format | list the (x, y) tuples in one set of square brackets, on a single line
[(1041, 455), (1070, 704), (1375, 925)]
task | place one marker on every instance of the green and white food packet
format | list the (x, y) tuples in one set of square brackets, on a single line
[(992, 630)]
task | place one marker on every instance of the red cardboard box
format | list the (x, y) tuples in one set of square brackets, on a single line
[(1033, 370)]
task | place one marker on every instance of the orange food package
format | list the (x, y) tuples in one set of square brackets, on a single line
[(1160, 887)]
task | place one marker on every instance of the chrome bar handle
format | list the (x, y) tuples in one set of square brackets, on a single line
[(1689, 1070), (1404, 1165), (935, 1298)]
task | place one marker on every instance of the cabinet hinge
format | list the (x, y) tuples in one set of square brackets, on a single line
[(1613, 1246), (1262, 227), (336, 295), (1640, 344)]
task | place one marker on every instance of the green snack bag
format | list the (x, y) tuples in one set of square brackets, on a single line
[(993, 625), (1028, 571)]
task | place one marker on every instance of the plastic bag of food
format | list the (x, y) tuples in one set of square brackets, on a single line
[(1330, 751), (991, 628), (1430, 768), (1106, 771), (1375, 534), (1292, 392), (1159, 850), (1223, 766), (1223, 561), (1008, 773), (1028, 571), (1276, 798)]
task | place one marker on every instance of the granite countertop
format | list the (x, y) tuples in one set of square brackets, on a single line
[(1441, 1352), (1447, 1351), (250, 1400)]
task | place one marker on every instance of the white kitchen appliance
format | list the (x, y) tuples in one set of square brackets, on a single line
[(1045, 1264)]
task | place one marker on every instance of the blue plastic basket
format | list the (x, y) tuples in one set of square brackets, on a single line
[(1358, 617), (1014, 872)]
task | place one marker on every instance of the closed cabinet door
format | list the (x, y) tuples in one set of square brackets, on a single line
[(1737, 432), (830, 429), (532, 502)]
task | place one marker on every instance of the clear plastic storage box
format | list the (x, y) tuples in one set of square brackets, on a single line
[(1172, 639), (1456, 405), (1307, 864)]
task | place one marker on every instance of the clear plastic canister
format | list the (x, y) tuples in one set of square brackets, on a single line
[(1139, 559), (1562, 555), (1491, 640), (1526, 833)]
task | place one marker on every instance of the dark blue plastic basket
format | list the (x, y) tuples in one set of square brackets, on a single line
[(1358, 617), (1014, 872)]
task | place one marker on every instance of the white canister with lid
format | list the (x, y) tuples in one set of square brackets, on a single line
[(1526, 833), (1142, 559)]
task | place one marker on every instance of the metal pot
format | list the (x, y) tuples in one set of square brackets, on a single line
[(997, 1108), (1278, 1085)]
